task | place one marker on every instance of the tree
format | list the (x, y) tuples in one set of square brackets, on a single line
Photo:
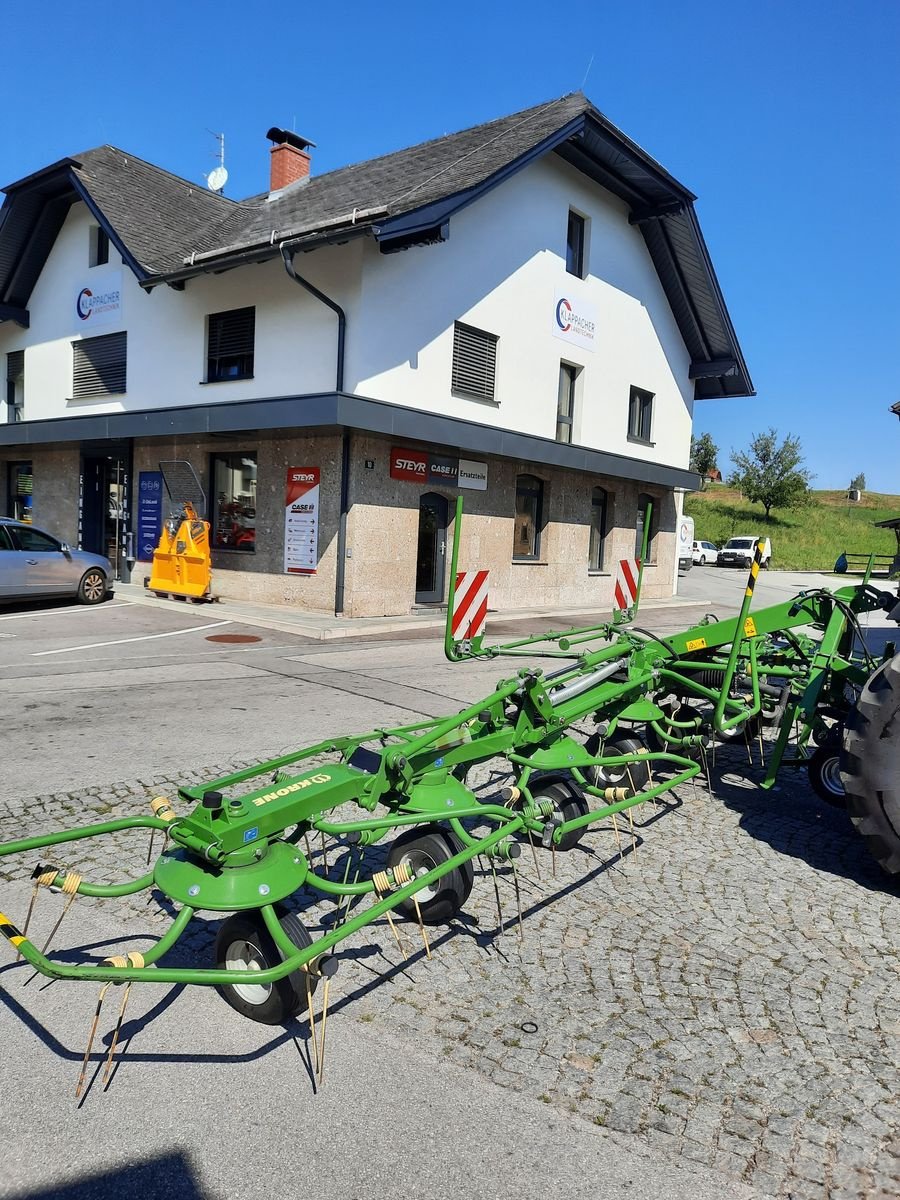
[(858, 482), (704, 453), (772, 474)]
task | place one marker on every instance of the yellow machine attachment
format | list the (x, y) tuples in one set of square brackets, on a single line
[(181, 562)]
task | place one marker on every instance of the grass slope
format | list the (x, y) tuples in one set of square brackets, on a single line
[(803, 539)]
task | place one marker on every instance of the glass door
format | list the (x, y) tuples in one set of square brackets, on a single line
[(431, 549)]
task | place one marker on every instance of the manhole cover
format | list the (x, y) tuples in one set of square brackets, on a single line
[(231, 638)]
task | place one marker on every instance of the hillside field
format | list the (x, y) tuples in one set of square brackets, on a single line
[(803, 539)]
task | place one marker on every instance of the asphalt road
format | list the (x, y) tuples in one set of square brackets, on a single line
[(130, 691)]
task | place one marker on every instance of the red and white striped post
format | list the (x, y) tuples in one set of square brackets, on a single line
[(625, 592), (470, 604)]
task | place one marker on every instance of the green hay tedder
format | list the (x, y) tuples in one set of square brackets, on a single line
[(615, 717)]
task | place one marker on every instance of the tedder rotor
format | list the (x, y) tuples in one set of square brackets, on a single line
[(240, 844)]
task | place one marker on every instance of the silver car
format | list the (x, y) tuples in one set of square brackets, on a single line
[(32, 563)]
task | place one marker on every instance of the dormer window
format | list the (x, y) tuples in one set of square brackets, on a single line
[(99, 251)]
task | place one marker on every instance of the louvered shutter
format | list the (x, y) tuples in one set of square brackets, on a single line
[(99, 366), (474, 361), (230, 344), (15, 365)]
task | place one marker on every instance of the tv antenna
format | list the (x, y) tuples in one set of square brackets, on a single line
[(218, 176)]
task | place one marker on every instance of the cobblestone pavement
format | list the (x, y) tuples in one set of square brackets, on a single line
[(724, 988)]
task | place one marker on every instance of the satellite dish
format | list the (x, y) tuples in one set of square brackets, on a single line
[(216, 179)]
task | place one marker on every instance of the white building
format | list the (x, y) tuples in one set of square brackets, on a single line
[(540, 341)]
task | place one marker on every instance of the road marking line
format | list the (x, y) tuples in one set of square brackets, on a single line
[(71, 608), (147, 637)]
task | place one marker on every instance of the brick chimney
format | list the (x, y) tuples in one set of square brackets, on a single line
[(290, 160)]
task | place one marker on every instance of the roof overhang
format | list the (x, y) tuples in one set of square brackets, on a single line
[(30, 220), (329, 411)]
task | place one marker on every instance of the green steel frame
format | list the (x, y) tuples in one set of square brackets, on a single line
[(242, 844)]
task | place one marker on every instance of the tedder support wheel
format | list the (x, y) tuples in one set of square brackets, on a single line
[(421, 850), (633, 776), (244, 944), (568, 801), (823, 769), (92, 588), (870, 765)]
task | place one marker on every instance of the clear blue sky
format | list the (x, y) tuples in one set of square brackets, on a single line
[(781, 115)]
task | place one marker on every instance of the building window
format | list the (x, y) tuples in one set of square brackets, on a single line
[(19, 491), (474, 362), (646, 503), (229, 345), (99, 366), (575, 244), (599, 528), (99, 251), (15, 386), (234, 509), (529, 517), (640, 415), (565, 402)]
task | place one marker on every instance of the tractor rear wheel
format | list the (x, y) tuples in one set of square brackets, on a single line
[(421, 849), (244, 944), (870, 765)]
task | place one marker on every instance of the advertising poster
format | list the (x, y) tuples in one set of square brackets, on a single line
[(301, 521), (149, 514)]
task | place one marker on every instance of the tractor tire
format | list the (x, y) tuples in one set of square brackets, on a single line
[(422, 848), (870, 765), (244, 943), (568, 801)]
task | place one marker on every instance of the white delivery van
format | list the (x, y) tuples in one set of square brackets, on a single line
[(739, 551), (685, 543)]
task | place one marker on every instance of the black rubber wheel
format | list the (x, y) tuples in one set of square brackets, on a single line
[(93, 586), (568, 801), (636, 773), (244, 943), (870, 765), (421, 849), (823, 769), (735, 735)]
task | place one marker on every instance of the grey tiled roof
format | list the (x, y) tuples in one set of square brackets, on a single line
[(158, 216)]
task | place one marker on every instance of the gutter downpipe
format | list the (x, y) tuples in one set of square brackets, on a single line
[(287, 257)]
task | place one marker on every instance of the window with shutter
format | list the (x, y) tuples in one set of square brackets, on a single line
[(99, 366), (474, 362), (15, 385), (229, 345)]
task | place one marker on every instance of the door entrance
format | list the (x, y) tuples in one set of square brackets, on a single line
[(104, 510), (432, 549)]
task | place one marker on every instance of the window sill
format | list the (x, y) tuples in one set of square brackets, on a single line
[(233, 379), (530, 562), (639, 441), (600, 574), (94, 399), (458, 395)]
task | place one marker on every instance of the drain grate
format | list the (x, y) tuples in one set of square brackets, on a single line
[(232, 638)]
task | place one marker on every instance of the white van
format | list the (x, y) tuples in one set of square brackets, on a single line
[(685, 543), (739, 551)]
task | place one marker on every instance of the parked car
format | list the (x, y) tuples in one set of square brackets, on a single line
[(32, 563), (704, 552), (739, 551)]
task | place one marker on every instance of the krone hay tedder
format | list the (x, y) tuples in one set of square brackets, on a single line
[(241, 844)]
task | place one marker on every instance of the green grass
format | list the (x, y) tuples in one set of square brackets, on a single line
[(803, 539)]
